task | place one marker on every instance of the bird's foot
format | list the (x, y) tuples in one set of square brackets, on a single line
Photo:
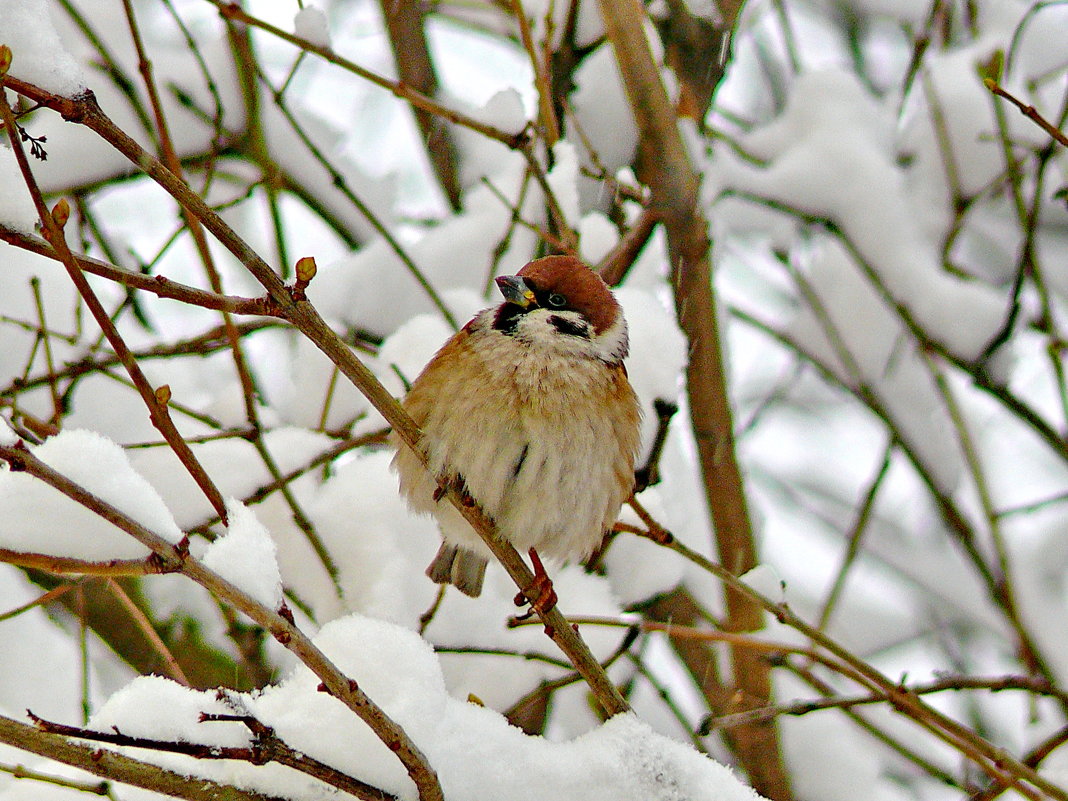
[(540, 594), (454, 482)]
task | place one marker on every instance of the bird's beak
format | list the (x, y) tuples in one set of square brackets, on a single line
[(515, 290)]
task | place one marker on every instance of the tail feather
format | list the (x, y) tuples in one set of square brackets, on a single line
[(463, 569)]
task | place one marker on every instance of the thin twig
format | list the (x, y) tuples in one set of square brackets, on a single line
[(41, 600), (151, 635), (1028, 111), (995, 684), (66, 564)]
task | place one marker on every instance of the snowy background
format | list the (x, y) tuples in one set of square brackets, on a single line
[(889, 243)]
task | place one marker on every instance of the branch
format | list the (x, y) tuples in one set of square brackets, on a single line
[(85, 567), (120, 768), (156, 284), (1028, 111)]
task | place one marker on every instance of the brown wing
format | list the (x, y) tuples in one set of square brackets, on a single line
[(441, 370), (627, 428)]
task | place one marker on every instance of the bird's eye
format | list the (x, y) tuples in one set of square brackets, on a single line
[(556, 300)]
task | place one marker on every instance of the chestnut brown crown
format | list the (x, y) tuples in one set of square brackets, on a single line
[(585, 291)]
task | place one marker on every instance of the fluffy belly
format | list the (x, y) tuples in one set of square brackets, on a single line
[(546, 447), (542, 484)]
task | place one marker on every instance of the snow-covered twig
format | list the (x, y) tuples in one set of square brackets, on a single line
[(119, 767), (264, 747)]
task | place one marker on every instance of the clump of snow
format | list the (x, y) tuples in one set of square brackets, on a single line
[(504, 111), (380, 548), (563, 180), (38, 56), (637, 568), (474, 750), (766, 580), (872, 207), (7, 435), (16, 207), (597, 237), (246, 556), (310, 23), (160, 709), (36, 518), (657, 352)]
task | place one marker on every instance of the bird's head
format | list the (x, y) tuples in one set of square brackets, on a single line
[(559, 303)]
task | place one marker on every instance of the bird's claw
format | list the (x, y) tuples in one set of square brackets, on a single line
[(540, 594), (457, 483)]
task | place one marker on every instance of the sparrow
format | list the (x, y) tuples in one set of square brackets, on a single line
[(529, 411)]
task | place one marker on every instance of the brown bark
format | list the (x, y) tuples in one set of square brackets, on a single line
[(664, 166), (407, 38)]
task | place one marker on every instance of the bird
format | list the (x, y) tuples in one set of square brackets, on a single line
[(528, 410)]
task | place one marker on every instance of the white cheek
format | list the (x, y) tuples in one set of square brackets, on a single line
[(535, 329), (613, 343)]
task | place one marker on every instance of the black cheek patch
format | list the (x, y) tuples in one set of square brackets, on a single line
[(566, 326), (508, 317)]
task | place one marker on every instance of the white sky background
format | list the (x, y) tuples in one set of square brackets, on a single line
[(849, 149)]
